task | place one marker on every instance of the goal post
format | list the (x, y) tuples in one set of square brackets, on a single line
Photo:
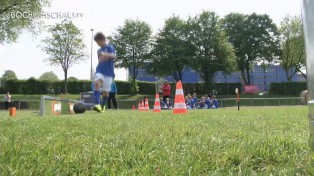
[(55, 106), (308, 23)]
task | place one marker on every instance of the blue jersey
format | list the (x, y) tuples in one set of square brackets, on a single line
[(208, 103), (215, 102), (106, 67), (113, 88)]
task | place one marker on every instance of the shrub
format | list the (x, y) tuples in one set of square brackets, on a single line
[(287, 88)]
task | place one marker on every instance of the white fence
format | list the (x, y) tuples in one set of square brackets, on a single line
[(224, 102)]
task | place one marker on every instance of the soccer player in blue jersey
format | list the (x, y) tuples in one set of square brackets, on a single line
[(104, 71)]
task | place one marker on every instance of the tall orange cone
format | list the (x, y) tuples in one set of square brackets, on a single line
[(179, 102), (133, 107), (157, 107), (139, 106), (146, 108)]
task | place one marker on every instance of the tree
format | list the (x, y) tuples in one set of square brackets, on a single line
[(172, 50), (49, 76), (16, 16), (9, 75), (65, 47), (72, 78), (213, 51), (132, 42), (292, 46), (254, 38)]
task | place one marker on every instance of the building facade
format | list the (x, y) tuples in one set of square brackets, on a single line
[(260, 77)]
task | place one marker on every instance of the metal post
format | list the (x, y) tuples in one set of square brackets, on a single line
[(265, 102), (238, 98), (91, 56), (308, 22), (19, 104), (42, 106), (279, 102)]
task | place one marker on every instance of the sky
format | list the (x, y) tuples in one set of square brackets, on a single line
[(26, 58)]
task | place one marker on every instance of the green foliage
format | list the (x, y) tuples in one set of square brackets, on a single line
[(29, 87), (9, 75), (253, 141), (254, 38), (292, 45), (14, 86), (124, 88), (49, 77), (72, 79), (12, 24), (213, 52), (65, 47), (147, 88), (172, 50), (33, 86), (2, 90), (134, 86), (287, 88), (132, 42), (202, 88)]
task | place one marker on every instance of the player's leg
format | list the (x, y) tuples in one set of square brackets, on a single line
[(164, 98), (114, 101), (6, 104), (97, 93), (109, 100), (106, 88)]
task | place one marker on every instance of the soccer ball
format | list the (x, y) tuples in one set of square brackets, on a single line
[(160, 91), (79, 107)]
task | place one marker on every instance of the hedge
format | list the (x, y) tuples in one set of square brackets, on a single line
[(287, 88), (33, 86), (220, 88), (147, 88), (124, 87)]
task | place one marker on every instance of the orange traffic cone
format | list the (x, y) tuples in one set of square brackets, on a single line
[(179, 102), (142, 106), (133, 107), (146, 108), (139, 106), (157, 107), (12, 111)]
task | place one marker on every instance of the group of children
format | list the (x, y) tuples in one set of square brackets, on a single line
[(192, 102), (206, 102)]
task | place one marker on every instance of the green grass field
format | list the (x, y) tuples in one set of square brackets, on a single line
[(254, 141)]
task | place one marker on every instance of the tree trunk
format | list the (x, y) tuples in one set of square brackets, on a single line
[(290, 72), (134, 86), (303, 74), (248, 76), (133, 80), (180, 75), (207, 77), (65, 81), (243, 77), (208, 84), (176, 76), (134, 74), (287, 74)]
